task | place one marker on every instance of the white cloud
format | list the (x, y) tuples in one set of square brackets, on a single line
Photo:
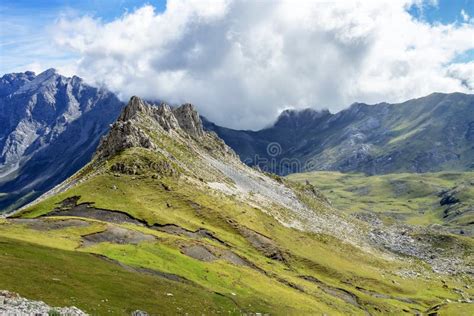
[(241, 62), (464, 72), (465, 16)]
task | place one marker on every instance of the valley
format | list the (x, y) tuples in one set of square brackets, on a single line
[(444, 199), (234, 157), (166, 219)]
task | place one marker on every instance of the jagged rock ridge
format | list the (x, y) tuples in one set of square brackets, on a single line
[(226, 229), (429, 134), (125, 133), (50, 127)]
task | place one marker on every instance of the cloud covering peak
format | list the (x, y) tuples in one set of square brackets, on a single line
[(242, 62)]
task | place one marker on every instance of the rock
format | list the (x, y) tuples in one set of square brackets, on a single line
[(123, 135), (126, 133), (198, 252), (139, 313), (52, 119), (13, 304), (189, 120), (134, 106), (448, 200), (166, 118)]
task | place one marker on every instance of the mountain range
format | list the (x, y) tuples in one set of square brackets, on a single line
[(50, 126), (166, 219), (429, 134)]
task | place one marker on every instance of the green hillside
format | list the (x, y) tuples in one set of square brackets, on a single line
[(404, 197), (166, 219), (429, 134)]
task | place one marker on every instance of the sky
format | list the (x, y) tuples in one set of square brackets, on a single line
[(242, 62)]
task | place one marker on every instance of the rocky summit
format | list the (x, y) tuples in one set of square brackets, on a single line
[(165, 219), (125, 134), (50, 126), (429, 134)]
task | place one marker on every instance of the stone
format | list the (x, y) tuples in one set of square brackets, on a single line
[(126, 133), (189, 120), (13, 304)]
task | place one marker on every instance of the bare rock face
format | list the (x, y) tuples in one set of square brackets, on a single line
[(126, 133), (50, 126), (189, 120), (134, 106), (165, 117), (123, 135)]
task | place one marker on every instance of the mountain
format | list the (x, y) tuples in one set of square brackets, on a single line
[(432, 133), (166, 219), (50, 126)]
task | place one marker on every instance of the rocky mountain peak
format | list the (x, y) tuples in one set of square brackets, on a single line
[(49, 118), (44, 81), (134, 106), (300, 118), (165, 117), (184, 117), (189, 120), (126, 133), (9, 83)]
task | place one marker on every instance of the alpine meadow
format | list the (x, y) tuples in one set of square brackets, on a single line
[(229, 157)]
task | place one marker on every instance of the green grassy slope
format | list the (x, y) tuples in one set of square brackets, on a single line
[(407, 197), (224, 251), (100, 287), (335, 264)]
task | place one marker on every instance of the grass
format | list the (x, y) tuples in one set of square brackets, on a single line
[(169, 188), (320, 256), (64, 278), (66, 239), (408, 197), (458, 309), (252, 290)]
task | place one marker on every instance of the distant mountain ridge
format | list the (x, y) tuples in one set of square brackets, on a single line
[(50, 126), (163, 198), (432, 133)]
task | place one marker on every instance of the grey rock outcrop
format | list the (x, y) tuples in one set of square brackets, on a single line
[(189, 120), (13, 304), (134, 106), (165, 117), (50, 126), (125, 133)]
